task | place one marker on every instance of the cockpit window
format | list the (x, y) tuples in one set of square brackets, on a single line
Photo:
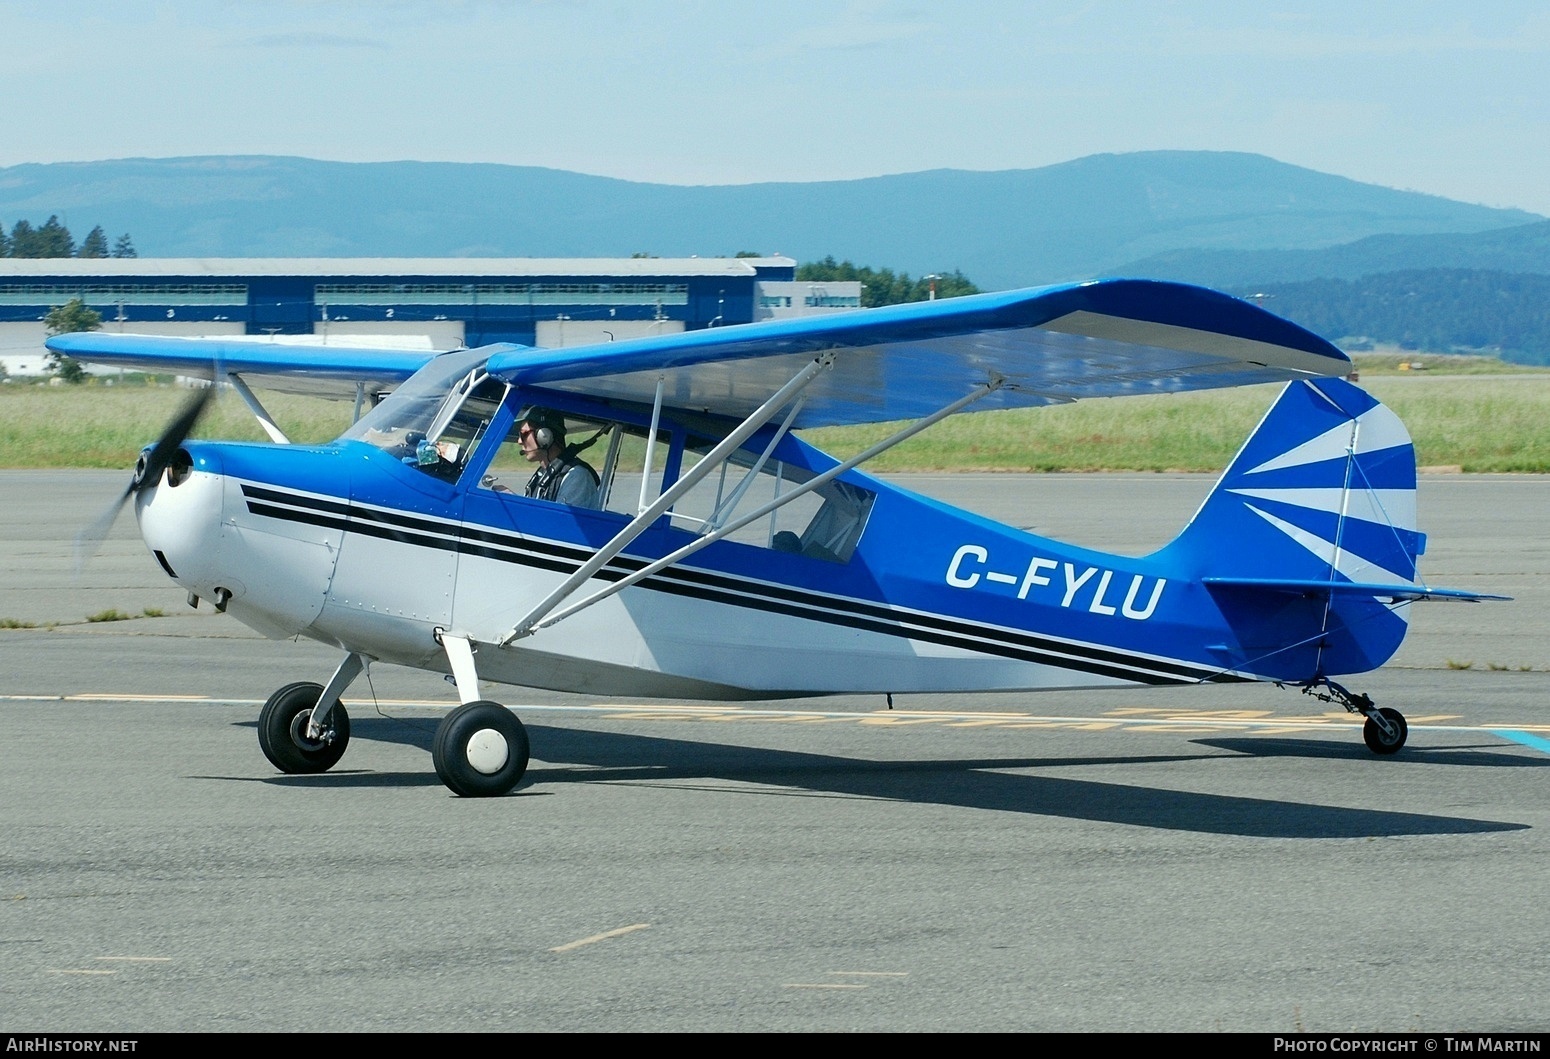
[(439, 417), (447, 403), (458, 429)]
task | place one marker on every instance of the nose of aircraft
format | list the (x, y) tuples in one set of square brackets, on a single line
[(180, 520)]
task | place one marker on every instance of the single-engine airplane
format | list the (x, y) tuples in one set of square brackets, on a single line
[(719, 556)]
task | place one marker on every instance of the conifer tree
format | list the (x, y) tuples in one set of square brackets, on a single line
[(94, 245), (73, 315)]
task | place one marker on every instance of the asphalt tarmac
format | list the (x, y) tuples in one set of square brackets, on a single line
[(1185, 859)]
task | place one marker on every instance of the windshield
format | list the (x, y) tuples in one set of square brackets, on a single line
[(404, 417)]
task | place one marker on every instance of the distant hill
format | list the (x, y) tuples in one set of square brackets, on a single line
[(1506, 314), (1485, 292), (1521, 249), (1013, 228)]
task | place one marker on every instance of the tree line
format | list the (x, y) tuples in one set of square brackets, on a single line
[(53, 239), (1437, 310), (882, 286)]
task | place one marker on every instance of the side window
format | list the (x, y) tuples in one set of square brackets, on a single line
[(824, 523), (626, 463), (577, 466)]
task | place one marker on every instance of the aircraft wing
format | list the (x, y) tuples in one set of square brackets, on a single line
[(317, 369), (1046, 345)]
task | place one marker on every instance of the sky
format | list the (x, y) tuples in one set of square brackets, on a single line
[(1438, 96)]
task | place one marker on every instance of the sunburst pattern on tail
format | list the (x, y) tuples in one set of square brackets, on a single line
[(1309, 543)]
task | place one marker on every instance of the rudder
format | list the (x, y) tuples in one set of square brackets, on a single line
[(1322, 493)]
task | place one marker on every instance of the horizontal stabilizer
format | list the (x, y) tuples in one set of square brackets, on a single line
[(1394, 593)]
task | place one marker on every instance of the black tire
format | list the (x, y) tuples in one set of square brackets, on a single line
[(282, 731), (480, 750), (1380, 742)]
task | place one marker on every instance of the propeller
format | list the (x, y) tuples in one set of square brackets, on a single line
[(148, 471)]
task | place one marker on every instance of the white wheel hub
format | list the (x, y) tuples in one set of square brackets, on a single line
[(487, 751)]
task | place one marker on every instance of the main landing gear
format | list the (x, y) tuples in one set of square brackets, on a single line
[(288, 738), (480, 749), (1385, 731)]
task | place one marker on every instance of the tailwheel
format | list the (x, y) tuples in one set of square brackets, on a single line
[(1386, 732), (283, 736), (480, 750)]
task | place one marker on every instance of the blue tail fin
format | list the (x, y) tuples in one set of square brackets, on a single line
[(1309, 539)]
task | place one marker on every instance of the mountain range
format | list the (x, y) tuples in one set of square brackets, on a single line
[(1519, 249), (1217, 217)]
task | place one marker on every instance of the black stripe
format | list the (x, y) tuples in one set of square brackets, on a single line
[(722, 588)]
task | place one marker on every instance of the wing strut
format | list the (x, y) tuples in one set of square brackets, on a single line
[(255, 406), (727, 506), (537, 620), (638, 525), (651, 443)]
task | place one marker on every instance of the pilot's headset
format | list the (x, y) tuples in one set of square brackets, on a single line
[(548, 425)]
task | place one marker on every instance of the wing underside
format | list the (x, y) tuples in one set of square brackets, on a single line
[(1048, 345), (320, 370)]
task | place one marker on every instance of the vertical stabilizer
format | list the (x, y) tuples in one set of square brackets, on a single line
[(1322, 493)]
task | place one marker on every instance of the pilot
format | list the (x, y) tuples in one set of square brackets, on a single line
[(561, 475)]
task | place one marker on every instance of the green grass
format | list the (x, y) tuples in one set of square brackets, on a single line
[(1481, 425), (1399, 362), (1494, 421), (111, 614), (106, 426), (1478, 424)]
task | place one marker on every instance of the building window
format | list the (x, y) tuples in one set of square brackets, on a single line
[(501, 294), (124, 293)]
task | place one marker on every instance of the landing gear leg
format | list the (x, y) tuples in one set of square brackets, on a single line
[(481, 748), (303, 728), (1385, 731)]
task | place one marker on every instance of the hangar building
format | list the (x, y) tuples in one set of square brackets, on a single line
[(426, 303)]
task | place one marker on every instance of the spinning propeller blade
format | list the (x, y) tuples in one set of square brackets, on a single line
[(148, 471)]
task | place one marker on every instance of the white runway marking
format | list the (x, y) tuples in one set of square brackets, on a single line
[(595, 938), (1133, 718)]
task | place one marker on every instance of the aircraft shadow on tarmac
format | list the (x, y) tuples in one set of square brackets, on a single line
[(593, 756), (1477, 755)]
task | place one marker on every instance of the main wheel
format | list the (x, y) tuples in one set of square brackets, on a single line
[(282, 730), (480, 750), (1381, 742)]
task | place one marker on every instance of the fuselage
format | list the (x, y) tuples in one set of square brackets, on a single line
[(347, 545), (805, 581)]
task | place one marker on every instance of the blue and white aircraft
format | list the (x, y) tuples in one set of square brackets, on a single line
[(725, 558)]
